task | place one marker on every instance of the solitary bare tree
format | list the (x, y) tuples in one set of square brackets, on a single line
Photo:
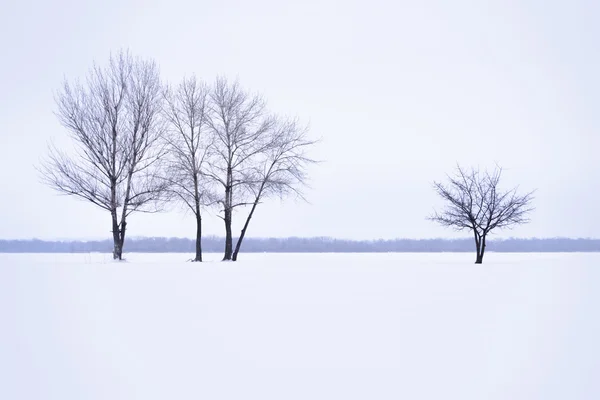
[(239, 126), (474, 202), (188, 143), (114, 122), (278, 170)]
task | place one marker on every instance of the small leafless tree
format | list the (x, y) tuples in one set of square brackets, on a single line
[(253, 154), (114, 122), (279, 170), (188, 144), (474, 202)]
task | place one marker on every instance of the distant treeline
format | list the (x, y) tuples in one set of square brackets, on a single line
[(303, 245)]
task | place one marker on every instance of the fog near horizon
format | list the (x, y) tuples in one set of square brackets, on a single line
[(398, 93)]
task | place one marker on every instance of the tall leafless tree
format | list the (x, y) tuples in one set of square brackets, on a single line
[(114, 121), (474, 202), (253, 154), (188, 143), (239, 127), (279, 170)]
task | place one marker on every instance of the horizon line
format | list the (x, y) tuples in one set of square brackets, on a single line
[(213, 237)]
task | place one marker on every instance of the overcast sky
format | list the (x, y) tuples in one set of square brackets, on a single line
[(399, 91)]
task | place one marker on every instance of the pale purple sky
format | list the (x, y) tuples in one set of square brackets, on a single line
[(399, 92)]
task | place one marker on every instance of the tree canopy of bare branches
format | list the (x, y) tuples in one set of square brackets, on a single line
[(253, 154), (114, 121), (474, 202), (186, 112)]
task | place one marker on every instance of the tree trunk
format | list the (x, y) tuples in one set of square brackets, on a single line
[(198, 237), (117, 246), (228, 236), (228, 211), (482, 250), (239, 242), (121, 239), (479, 258)]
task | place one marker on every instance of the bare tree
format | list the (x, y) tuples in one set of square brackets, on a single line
[(239, 127), (114, 121), (474, 202), (253, 154), (187, 141), (279, 170)]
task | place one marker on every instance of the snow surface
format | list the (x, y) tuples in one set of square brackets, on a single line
[(300, 326)]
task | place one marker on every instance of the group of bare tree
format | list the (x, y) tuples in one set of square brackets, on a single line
[(141, 144)]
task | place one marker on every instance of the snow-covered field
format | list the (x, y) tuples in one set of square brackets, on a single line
[(300, 326)]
